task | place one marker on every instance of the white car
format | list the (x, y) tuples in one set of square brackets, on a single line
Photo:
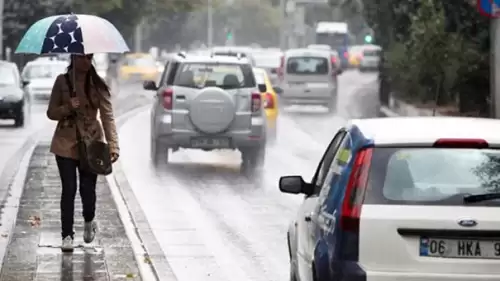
[(415, 198), (39, 76)]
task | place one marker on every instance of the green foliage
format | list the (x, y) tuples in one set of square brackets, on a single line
[(435, 50)]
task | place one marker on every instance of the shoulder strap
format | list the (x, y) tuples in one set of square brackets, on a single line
[(73, 94), (70, 86)]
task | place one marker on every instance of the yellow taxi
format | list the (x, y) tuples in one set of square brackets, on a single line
[(270, 102), (139, 67), (355, 55)]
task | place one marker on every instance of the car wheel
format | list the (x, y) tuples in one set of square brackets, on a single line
[(252, 159), (159, 154), (19, 120)]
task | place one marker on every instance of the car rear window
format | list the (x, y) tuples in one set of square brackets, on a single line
[(432, 176), (307, 66), (371, 53), (225, 76)]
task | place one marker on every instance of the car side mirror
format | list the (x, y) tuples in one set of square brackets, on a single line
[(294, 185), (262, 88), (278, 90), (149, 85), (25, 83)]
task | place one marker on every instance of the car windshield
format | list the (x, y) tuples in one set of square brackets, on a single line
[(44, 71), (413, 175), (7, 76), (307, 66), (225, 76), (145, 61)]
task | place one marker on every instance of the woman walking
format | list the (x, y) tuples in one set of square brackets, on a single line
[(76, 98)]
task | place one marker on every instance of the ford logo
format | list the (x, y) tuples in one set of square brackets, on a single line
[(467, 222)]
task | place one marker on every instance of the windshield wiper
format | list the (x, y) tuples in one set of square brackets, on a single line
[(481, 197)]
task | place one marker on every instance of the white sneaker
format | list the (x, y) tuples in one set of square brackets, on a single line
[(67, 244), (89, 231)]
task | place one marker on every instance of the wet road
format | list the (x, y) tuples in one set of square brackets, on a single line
[(14, 142), (213, 224)]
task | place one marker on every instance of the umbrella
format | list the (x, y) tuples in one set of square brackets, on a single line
[(72, 34)]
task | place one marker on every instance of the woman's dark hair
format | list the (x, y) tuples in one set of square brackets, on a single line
[(94, 76)]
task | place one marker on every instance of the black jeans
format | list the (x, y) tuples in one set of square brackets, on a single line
[(67, 171)]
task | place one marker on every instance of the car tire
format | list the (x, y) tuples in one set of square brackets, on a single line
[(252, 159), (19, 120), (159, 154)]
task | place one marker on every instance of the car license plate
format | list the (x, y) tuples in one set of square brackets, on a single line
[(210, 142), (459, 248)]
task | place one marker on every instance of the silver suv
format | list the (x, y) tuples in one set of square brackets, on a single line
[(208, 103)]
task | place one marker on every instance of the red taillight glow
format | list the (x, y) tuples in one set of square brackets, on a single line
[(268, 101), (333, 60), (355, 191), (256, 102), (346, 54), (461, 143), (168, 96)]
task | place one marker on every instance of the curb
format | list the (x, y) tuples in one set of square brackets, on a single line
[(135, 221)]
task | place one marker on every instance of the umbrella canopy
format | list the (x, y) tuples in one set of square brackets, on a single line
[(72, 34)]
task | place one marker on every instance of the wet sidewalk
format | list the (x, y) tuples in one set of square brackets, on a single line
[(34, 250)]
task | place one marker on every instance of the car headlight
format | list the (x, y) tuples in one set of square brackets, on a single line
[(13, 98)]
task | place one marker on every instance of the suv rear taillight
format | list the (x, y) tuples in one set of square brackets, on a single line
[(168, 98), (268, 101), (355, 191), (256, 102)]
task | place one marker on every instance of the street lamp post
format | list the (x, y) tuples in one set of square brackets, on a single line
[(210, 28)]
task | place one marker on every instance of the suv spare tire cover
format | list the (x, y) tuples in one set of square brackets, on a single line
[(212, 110)]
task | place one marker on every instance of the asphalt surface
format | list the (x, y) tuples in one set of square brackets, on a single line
[(207, 221)]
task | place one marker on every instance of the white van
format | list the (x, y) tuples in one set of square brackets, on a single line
[(309, 77)]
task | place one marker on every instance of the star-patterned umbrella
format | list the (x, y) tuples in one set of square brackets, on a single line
[(72, 34)]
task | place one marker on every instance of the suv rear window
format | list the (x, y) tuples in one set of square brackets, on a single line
[(432, 176), (225, 76), (307, 66)]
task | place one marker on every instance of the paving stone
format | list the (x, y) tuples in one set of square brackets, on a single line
[(34, 251)]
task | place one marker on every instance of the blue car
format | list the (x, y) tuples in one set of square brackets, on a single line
[(410, 198)]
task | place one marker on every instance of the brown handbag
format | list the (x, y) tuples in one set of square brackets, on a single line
[(94, 154)]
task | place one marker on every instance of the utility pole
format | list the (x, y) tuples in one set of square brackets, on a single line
[(1, 28), (495, 68), (137, 37), (282, 24), (210, 28)]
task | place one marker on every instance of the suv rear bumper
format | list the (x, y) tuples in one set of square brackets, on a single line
[(238, 139), (421, 276)]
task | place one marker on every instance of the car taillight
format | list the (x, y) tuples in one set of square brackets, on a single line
[(461, 143), (346, 54), (168, 96), (268, 101), (355, 191), (333, 60), (256, 102)]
